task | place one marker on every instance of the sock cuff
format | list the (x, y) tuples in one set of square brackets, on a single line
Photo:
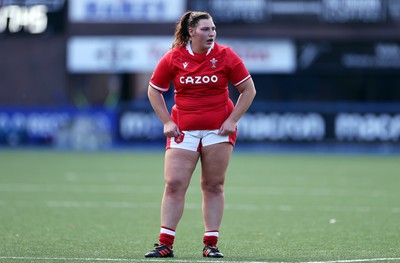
[(211, 233), (166, 230)]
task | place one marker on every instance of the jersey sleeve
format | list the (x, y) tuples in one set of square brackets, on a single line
[(161, 78), (237, 71)]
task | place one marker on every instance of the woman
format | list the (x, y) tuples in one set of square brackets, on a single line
[(202, 124)]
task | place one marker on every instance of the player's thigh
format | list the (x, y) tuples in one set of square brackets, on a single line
[(214, 161), (179, 166)]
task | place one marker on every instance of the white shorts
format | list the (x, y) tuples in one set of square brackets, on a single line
[(194, 140)]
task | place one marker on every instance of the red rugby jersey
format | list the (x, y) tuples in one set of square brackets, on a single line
[(201, 84)]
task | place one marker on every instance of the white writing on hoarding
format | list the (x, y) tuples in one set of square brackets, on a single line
[(368, 127), (286, 126)]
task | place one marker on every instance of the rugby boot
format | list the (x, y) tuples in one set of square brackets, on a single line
[(160, 251), (212, 252)]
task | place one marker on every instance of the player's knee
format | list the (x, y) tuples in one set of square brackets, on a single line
[(212, 187), (175, 186)]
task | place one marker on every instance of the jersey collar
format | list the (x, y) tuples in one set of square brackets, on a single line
[(189, 48)]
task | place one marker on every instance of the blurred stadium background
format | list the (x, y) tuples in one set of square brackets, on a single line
[(74, 74)]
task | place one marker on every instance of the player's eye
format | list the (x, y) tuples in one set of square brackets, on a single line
[(208, 29)]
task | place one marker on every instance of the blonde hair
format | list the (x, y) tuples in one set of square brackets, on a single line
[(188, 19)]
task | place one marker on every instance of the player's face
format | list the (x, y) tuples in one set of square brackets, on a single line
[(203, 35)]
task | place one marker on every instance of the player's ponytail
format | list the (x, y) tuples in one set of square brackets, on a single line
[(188, 19)]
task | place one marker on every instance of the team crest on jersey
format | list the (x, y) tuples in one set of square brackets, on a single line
[(214, 62), (185, 64)]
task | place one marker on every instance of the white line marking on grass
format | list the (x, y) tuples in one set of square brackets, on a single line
[(396, 210), (91, 204), (68, 259), (242, 207), (77, 187), (189, 261)]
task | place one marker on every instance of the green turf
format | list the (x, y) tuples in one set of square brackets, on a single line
[(279, 208)]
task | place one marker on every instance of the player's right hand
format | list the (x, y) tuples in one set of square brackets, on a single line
[(171, 129)]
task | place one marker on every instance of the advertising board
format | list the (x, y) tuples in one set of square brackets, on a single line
[(126, 11), (87, 54)]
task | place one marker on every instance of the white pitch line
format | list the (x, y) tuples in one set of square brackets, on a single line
[(242, 207), (67, 259), (190, 261), (119, 188)]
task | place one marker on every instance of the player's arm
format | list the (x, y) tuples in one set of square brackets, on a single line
[(247, 93), (157, 101)]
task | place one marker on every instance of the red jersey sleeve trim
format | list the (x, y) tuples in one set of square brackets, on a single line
[(157, 88), (243, 80)]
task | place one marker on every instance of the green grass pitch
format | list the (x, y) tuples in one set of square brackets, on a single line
[(104, 207)]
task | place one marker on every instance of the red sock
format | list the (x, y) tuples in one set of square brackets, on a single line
[(167, 236), (210, 238)]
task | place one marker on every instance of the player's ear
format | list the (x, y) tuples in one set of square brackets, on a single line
[(191, 31)]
